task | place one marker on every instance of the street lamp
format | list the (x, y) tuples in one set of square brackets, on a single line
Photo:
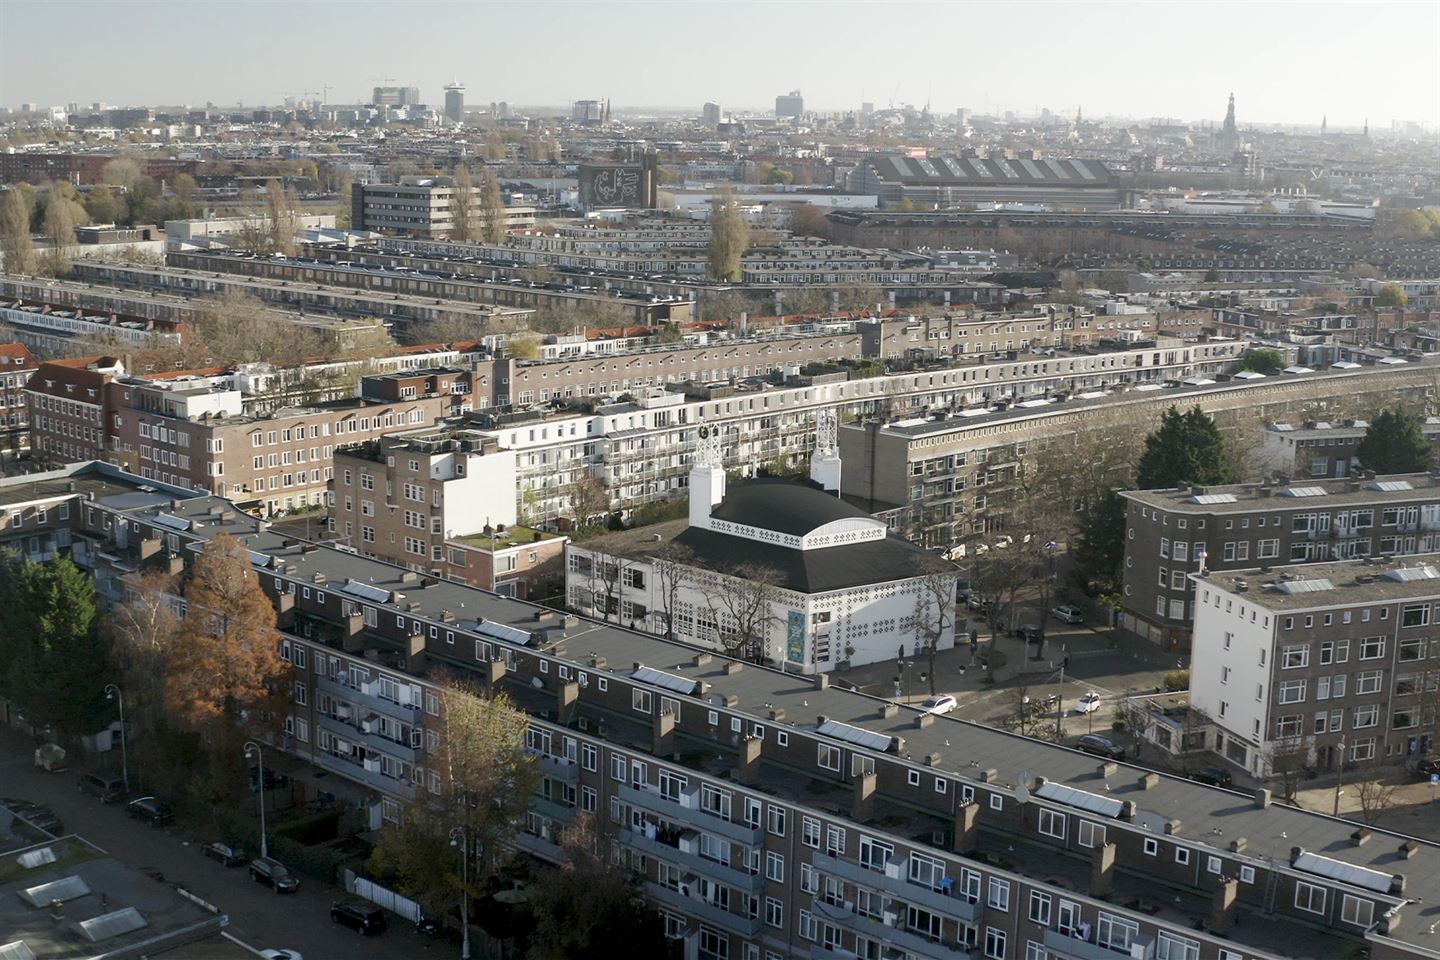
[(464, 889), (251, 745), (112, 692)]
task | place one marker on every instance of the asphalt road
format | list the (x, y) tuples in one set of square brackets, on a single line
[(259, 917)]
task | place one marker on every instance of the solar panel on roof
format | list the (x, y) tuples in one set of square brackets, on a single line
[(68, 888), (112, 924), (366, 591), (1411, 574), (953, 167), (1305, 586), (1303, 492), (927, 166), (660, 678), (1212, 498), (503, 631), (856, 735), (1055, 168), (18, 950), (1081, 799), (1007, 167), (1083, 168), (172, 521), (980, 168), (257, 558), (1031, 169), (1344, 872), (1390, 486)]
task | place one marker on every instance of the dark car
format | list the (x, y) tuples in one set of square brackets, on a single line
[(1427, 768), (231, 855), (1214, 776), (37, 816), (106, 789), (1101, 746), (155, 812), (360, 917), (273, 874)]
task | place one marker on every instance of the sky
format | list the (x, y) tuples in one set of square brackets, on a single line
[(1287, 62)]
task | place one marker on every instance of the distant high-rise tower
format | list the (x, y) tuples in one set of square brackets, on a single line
[(1324, 119), (790, 105), (455, 101), (710, 114), (1228, 140)]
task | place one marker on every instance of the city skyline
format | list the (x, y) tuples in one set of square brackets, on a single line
[(637, 58)]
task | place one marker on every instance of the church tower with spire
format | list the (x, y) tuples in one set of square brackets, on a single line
[(1229, 139)]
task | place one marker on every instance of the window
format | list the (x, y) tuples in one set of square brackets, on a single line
[(1373, 648), (775, 820), (640, 700), (1357, 911), (1172, 946), (774, 866), (994, 943), (1213, 864), (998, 896), (1292, 691), (1115, 932), (1052, 824), (774, 912), (1415, 615), (1182, 855), (828, 757), (1309, 897), (1293, 657), (1368, 681), (1092, 834), (1040, 908), (1367, 716), (875, 855)]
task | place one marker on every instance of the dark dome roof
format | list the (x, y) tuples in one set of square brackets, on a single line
[(785, 506)]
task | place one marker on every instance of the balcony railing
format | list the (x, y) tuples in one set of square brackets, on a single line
[(702, 910), (371, 778), (356, 733), (733, 875)]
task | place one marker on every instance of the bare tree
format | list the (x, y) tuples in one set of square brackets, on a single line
[(934, 613), (142, 631), (60, 223), (462, 205), (742, 602), (493, 227), (16, 245), (729, 236), (1375, 798), (589, 497), (1289, 759), (673, 568)]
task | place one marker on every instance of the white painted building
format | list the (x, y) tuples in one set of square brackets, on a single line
[(838, 587)]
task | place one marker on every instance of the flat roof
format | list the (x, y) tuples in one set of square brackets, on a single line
[(1302, 493), (1333, 583), (1211, 816)]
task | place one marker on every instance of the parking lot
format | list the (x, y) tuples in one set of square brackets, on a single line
[(258, 917)]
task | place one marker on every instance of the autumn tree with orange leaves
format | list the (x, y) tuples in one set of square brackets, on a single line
[(225, 675)]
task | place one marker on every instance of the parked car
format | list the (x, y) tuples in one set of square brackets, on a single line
[(1214, 776), (1101, 746), (1067, 613), (1088, 703), (231, 855), (363, 918), (107, 789), (36, 815), (273, 954), (155, 812), (942, 703), (273, 874), (1427, 768), (1031, 633)]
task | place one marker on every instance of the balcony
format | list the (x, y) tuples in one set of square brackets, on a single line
[(894, 882), (703, 911), (370, 778), (362, 697), (560, 768), (1067, 947), (539, 847), (372, 741), (889, 932), (553, 809), (701, 818), (734, 875)]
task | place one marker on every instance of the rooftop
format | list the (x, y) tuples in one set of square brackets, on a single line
[(1312, 585), (1307, 492), (509, 537), (1211, 817)]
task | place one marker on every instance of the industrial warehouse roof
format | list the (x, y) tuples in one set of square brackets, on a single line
[(973, 171)]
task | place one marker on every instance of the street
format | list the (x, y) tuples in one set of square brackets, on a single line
[(259, 917)]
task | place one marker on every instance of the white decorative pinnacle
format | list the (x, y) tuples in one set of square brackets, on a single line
[(826, 440), (707, 447)]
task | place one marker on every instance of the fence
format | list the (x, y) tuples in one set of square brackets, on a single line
[(382, 897)]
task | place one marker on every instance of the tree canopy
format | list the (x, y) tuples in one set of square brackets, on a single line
[(54, 662), (1186, 448), (1261, 360), (729, 236), (1391, 295), (1394, 443)]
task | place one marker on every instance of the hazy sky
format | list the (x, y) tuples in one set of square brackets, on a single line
[(1291, 62)]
